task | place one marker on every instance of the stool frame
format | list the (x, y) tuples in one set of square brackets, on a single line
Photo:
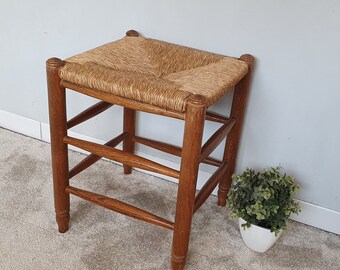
[(191, 153)]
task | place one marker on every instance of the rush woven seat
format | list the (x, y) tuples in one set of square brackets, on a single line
[(142, 74), (154, 72)]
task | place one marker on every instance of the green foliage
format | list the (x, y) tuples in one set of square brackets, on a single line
[(263, 198)]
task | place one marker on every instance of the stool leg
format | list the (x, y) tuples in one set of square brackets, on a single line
[(129, 126), (194, 124), (58, 128), (233, 139)]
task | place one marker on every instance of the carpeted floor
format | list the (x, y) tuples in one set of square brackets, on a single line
[(101, 239)]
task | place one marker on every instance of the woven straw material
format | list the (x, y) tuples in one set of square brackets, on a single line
[(154, 72)]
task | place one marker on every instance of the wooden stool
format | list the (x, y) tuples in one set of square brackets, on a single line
[(161, 78)]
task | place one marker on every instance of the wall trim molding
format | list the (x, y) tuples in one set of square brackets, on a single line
[(20, 124), (313, 215), (319, 217)]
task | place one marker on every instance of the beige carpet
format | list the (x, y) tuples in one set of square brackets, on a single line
[(101, 239)]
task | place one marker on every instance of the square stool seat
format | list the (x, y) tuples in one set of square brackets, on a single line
[(154, 72), (143, 74)]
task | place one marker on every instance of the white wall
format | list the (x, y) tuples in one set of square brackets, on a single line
[(293, 113)]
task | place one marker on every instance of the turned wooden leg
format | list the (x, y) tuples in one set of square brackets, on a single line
[(57, 111), (194, 124), (129, 127), (233, 139)]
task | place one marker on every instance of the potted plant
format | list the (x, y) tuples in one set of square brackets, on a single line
[(263, 202)]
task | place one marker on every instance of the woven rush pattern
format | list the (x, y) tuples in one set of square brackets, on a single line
[(154, 72)]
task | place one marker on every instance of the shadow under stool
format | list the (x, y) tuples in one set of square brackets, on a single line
[(153, 76)]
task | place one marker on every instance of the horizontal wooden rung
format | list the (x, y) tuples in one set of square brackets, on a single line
[(90, 112), (210, 116), (209, 186), (120, 207), (171, 149), (91, 159), (164, 147), (216, 138), (121, 156), (212, 161)]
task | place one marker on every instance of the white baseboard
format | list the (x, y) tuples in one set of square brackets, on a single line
[(20, 124), (311, 214), (317, 216)]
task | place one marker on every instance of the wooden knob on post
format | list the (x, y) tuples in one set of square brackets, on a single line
[(132, 33), (54, 62), (198, 100), (249, 59)]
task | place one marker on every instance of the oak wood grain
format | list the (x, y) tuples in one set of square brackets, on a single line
[(121, 156), (216, 139), (58, 129), (129, 126), (210, 116), (238, 107), (87, 114), (193, 133), (209, 186), (120, 207), (91, 159)]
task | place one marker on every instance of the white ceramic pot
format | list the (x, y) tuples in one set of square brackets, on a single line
[(257, 238)]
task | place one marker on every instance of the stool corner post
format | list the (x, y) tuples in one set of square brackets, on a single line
[(248, 58), (58, 130), (129, 126), (190, 160), (238, 109)]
